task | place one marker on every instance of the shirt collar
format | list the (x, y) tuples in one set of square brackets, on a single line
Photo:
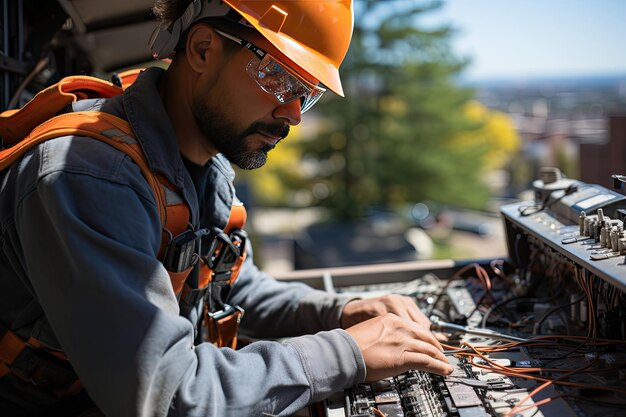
[(152, 126)]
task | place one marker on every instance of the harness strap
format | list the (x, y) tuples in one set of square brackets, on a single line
[(19, 123), (223, 325), (222, 320), (31, 362), (129, 76), (226, 254), (117, 133), (191, 296), (38, 121), (28, 359), (236, 223)]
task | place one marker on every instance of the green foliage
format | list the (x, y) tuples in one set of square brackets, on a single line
[(565, 162), (399, 120)]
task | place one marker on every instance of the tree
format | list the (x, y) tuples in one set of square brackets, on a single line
[(405, 133), (391, 140)]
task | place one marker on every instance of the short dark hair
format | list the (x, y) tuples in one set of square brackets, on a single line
[(167, 11)]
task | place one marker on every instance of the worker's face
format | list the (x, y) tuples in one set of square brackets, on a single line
[(240, 119)]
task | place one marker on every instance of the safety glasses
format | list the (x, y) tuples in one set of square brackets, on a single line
[(277, 79)]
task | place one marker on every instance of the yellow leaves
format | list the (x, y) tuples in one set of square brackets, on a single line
[(393, 105), (496, 131)]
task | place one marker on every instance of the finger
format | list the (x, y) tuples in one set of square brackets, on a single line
[(403, 307), (441, 337), (438, 350), (422, 362), (425, 335), (421, 319), (427, 349), (396, 305), (415, 313)]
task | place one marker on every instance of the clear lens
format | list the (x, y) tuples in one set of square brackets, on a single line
[(275, 79), (311, 99)]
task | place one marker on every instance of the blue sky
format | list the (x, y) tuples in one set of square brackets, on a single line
[(533, 38)]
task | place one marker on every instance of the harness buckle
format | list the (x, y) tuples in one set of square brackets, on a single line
[(224, 252), (226, 311), (45, 370), (180, 252), (223, 325)]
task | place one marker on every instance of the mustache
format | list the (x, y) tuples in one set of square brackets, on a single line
[(279, 130)]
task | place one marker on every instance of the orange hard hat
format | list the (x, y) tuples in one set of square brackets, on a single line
[(315, 34)]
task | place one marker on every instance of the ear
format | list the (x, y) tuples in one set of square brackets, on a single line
[(202, 45)]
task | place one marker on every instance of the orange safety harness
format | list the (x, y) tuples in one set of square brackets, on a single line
[(44, 118)]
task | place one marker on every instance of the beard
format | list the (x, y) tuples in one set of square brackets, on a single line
[(234, 144)]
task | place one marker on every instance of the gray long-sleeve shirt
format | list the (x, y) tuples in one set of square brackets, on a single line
[(78, 270)]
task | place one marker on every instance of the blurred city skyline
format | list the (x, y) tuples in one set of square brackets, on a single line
[(536, 39)]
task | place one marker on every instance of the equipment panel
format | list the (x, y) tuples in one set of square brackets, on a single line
[(542, 333)]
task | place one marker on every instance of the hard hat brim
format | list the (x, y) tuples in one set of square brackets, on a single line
[(306, 58)]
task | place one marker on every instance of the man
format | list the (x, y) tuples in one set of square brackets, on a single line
[(80, 234)]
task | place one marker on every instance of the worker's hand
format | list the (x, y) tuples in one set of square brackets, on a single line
[(357, 311), (391, 344)]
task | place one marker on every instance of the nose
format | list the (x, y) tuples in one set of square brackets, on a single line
[(289, 111)]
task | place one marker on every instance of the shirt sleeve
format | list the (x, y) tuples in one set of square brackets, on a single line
[(279, 309), (90, 232)]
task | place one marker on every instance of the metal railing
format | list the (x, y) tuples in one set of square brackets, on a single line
[(322, 278)]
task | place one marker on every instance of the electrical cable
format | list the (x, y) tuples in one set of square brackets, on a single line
[(438, 325), (518, 407), (488, 313), (40, 66), (546, 204), (481, 273), (601, 403), (378, 412), (543, 318)]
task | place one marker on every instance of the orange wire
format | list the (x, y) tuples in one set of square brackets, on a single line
[(497, 271), (520, 372), (378, 412), (518, 406), (586, 283), (481, 273), (533, 405)]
